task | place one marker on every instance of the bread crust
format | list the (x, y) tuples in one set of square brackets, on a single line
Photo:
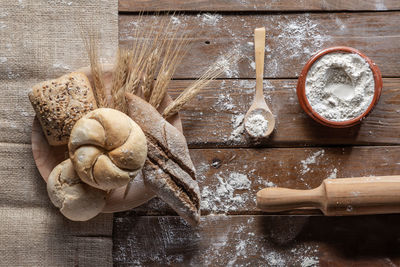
[(107, 148), (168, 169), (76, 200), (59, 103)]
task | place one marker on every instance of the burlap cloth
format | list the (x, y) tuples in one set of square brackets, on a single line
[(39, 40)]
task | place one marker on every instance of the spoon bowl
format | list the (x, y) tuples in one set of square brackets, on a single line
[(259, 122)]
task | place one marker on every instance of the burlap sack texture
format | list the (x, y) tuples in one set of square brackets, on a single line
[(39, 40)]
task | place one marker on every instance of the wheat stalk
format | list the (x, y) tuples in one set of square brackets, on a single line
[(120, 75), (174, 53), (150, 74), (90, 38), (140, 51), (222, 65)]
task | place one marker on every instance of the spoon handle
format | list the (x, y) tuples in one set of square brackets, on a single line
[(259, 46)]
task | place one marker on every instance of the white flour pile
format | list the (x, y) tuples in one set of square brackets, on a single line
[(340, 86), (256, 124)]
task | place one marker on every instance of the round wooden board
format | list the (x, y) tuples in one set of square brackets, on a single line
[(47, 157)]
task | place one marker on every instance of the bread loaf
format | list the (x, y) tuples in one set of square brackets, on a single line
[(168, 169), (76, 200), (60, 103), (107, 148)]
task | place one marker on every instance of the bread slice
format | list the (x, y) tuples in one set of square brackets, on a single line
[(168, 169), (60, 103)]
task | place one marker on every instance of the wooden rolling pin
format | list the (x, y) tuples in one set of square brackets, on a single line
[(336, 197)]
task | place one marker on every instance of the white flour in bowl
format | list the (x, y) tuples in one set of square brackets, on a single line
[(340, 86)]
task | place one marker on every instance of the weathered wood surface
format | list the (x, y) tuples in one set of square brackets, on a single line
[(208, 120), (291, 39), (230, 178), (256, 5), (239, 234), (257, 241), (213, 118)]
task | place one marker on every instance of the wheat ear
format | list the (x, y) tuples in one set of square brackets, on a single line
[(174, 54), (150, 74), (120, 75), (140, 52), (90, 38), (212, 72)]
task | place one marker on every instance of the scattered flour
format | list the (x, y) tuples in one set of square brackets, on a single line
[(340, 86), (223, 198), (231, 244), (209, 19), (238, 128), (175, 20), (310, 262), (310, 160), (224, 102), (274, 259), (269, 184), (299, 37), (227, 61), (299, 29), (256, 124), (333, 174)]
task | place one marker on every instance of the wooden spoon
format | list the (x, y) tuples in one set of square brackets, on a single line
[(259, 105), (345, 196)]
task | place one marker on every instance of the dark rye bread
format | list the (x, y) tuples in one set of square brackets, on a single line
[(60, 103), (168, 169)]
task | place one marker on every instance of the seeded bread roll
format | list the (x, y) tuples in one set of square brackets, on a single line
[(76, 200), (60, 103)]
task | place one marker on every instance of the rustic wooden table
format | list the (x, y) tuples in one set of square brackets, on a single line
[(300, 154)]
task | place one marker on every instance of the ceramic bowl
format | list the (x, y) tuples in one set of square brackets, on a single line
[(301, 85)]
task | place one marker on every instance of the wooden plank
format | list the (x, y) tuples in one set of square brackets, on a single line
[(255, 5), (291, 39), (213, 118), (230, 178), (208, 120), (257, 241)]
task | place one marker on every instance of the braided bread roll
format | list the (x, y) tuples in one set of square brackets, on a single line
[(107, 148)]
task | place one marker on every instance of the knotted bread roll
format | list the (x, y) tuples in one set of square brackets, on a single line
[(76, 200), (107, 148)]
